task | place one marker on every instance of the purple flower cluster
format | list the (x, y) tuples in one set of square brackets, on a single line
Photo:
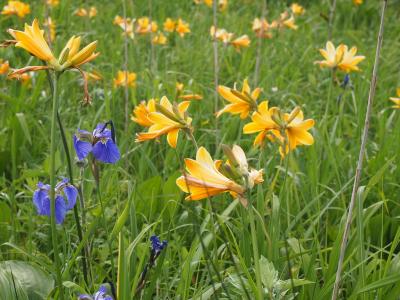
[(65, 199)]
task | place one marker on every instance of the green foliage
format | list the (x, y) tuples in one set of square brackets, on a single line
[(300, 207)]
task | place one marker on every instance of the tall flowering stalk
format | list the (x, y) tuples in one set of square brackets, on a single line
[(32, 40)]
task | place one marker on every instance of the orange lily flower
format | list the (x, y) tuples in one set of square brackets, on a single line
[(182, 27), (349, 60), (16, 8), (169, 25), (262, 123), (53, 3), (297, 9), (141, 113), (241, 42), (159, 39), (205, 177), (262, 28), (4, 67), (240, 102), (168, 119), (333, 56), (125, 78), (145, 26), (396, 100), (289, 23)]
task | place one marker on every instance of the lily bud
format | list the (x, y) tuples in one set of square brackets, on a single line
[(63, 56)]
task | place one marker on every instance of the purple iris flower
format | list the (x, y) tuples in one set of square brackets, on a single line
[(101, 143), (101, 294), (65, 194), (156, 245)]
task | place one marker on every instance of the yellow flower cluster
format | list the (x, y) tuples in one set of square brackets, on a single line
[(86, 13), (263, 29), (162, 118), (222, 4), (289, 130), (143, 26), (340, 58), (17, 8), (226, 38)]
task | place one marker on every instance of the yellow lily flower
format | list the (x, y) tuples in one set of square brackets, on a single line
[(92, 12), (182, 27), (203, 179), (141, 113), (118, 20), (83, 12), (168, 119), (159, 39), (358, 2), (297, 9), (222, 4), (289, 23), (53, 3), (4, 67), (240, 102), (126, 25), (396, 100), (291, 130), (221, 34), (16, 8), (241, 42), (145, 26), (262, 28), (349, 61), (169, 25), (294, 130), (125, 78), (179, 86), (262, 123), (33, 41), (333, 56)]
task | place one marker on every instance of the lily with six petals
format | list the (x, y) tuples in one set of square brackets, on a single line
[(168, 119)]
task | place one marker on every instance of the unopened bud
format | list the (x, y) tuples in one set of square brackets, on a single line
[(63, 56)]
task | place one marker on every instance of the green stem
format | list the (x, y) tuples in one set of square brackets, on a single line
[(71, 179), (256, 255), (53, 147)]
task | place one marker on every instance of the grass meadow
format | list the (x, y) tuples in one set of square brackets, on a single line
[(286, 243)]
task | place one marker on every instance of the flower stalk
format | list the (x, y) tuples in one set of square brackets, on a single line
[(364, 140), (53, 147)]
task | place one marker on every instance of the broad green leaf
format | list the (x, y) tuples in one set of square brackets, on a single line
[(29, 279)]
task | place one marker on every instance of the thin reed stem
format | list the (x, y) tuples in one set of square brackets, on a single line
[(332, 11), (126, 64), (259, 44), (216, 67), (364, 140), (53, 148)]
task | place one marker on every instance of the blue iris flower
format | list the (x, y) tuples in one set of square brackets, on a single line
[(65, 194), (101, 294), (156, 245), (101, 143)]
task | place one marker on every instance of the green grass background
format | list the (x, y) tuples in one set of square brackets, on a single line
[(299, 225)]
